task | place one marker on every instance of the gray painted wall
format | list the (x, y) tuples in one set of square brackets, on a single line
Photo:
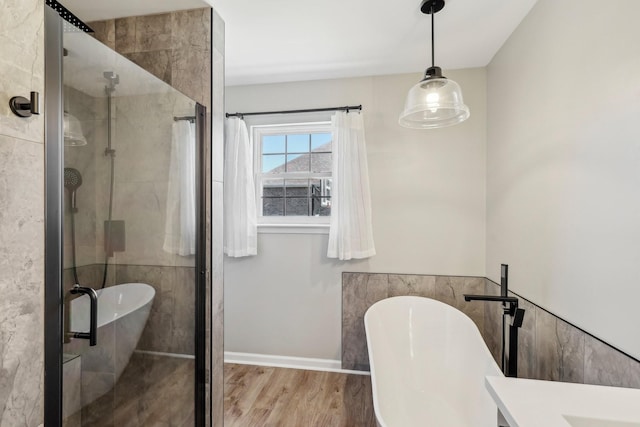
[(427, 190), (562, 165)]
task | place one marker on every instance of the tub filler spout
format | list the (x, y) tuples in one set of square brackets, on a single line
[(516, 315)]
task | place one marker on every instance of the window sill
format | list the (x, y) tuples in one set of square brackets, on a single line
[(293, 228)]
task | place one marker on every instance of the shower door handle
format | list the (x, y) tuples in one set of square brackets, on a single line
[(92, 335)]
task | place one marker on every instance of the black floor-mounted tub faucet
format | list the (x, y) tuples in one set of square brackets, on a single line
[(516, 316)]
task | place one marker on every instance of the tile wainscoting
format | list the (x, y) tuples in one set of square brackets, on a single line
[(361, 290), (549, 348), (170, 327)]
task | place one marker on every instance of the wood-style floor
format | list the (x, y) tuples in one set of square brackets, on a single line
[(258, 396), (153, 391)]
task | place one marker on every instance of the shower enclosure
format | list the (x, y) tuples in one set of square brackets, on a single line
[(125, 224)]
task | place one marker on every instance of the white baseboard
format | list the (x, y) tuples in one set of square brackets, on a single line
[(310, 364), (159, 353)]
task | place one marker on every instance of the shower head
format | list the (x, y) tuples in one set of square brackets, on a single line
[(72, 181), (112, 80)]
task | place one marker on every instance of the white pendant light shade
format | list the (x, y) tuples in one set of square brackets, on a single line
[(434, 103), (73, 135)]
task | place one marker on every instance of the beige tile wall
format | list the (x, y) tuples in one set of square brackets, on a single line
[(175, 47), (21, 217)]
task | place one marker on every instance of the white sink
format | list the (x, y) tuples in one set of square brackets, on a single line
[(597, 422), (535, 403)]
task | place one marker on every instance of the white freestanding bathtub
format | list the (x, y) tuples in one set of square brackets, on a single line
[(428, 365), (123, 311)]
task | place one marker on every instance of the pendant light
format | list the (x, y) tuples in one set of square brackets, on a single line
[(436, 101), (73, 136)]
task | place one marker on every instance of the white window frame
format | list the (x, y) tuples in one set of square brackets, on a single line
[(277, 224)]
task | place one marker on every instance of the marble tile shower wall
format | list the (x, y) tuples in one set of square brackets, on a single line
[(91, 113), (175, 47), (21, 217), (549, 347), (143, 146), (142, 143)]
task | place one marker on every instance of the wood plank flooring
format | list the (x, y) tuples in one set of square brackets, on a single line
[(152, 391), (258, 396)]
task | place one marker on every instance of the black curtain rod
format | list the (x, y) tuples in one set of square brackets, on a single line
[(311, 110), (188, 118)]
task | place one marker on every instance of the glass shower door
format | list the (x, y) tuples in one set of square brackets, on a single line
[(132, 243)]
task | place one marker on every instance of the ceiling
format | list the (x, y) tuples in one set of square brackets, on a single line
[(291, 40), (287, 40)]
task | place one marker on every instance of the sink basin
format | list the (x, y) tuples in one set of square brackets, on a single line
[(597, 422), (537, 403)]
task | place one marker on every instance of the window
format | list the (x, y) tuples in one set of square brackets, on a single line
[(293, 173)]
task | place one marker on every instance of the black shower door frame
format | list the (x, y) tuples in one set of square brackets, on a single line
[(54, 232)]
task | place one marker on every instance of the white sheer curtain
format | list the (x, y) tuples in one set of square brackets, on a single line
[(180, 223), (240, 215), (351, 232)]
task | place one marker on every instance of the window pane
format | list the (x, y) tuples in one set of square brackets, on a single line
[(321, 142), (297, 188), (320, 162), (297, 206), (273, 207), (273, 144), (321, 206), (297, 162), (273, 188), (315, 185), (298, 143), (273, 163), (320, 196), (325, 187), (293, 171), (272, 197)]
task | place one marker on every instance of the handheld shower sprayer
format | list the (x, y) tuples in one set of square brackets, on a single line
[(72, 181)]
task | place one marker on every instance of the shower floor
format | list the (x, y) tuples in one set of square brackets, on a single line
[(258, 396), (152, 391)]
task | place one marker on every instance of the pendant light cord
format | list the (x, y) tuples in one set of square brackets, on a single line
[(433, 48)]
